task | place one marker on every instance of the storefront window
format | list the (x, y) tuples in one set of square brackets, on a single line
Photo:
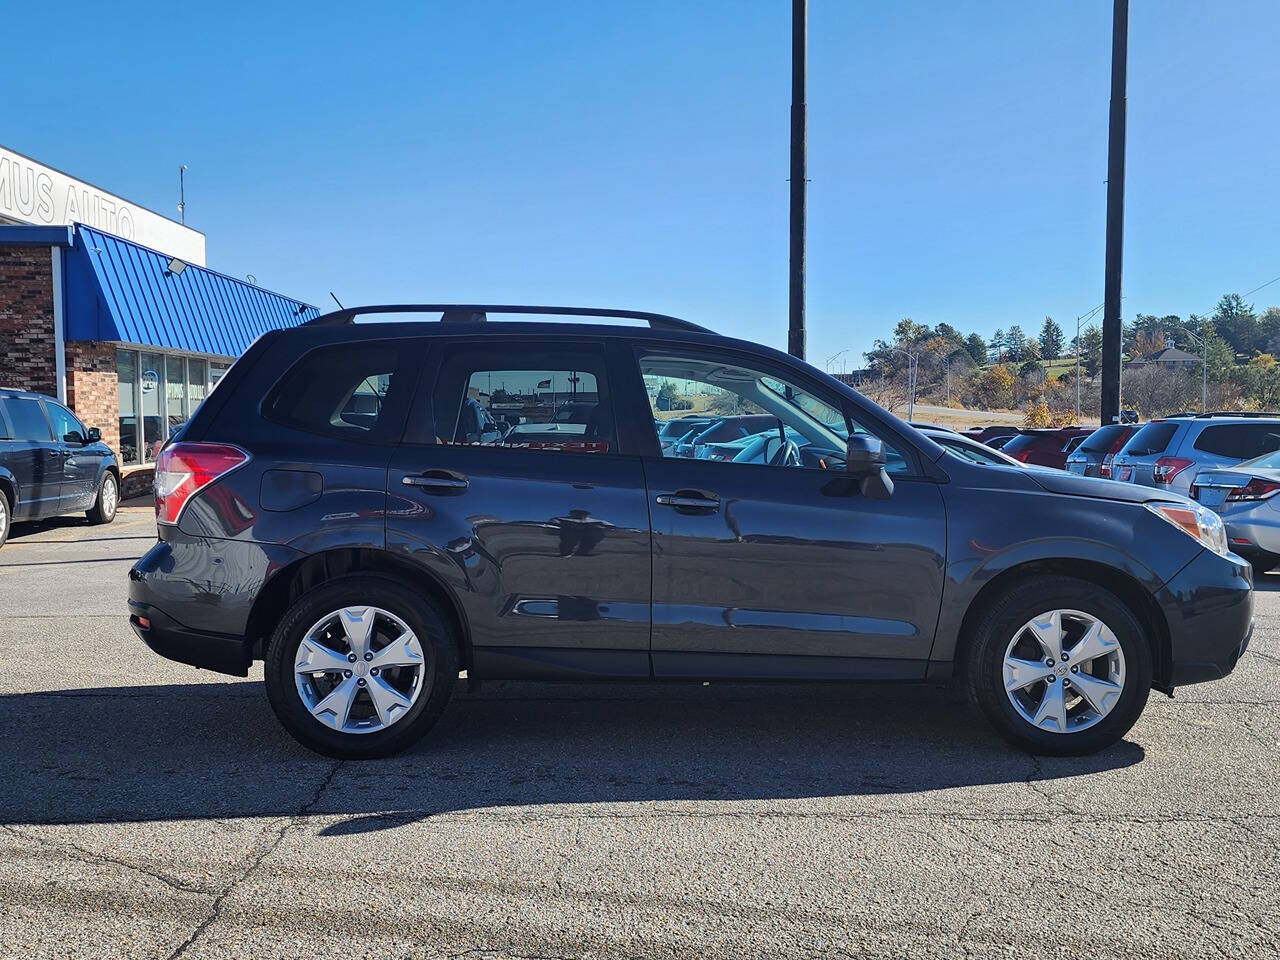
[(175, 391), (127, 372), (216, 370), (154, 429), (197, 383)]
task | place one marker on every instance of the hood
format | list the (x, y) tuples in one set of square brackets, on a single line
[(1074, 485)]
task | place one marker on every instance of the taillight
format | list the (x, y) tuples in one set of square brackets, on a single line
[(1166, 468), (1255, 489), (184, 469), (1104, 468)]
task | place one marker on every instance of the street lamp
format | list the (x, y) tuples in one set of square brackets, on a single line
[(833, 358)]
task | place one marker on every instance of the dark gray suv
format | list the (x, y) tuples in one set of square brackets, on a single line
[(328, 511)]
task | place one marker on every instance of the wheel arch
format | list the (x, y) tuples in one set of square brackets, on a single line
[(290, 582), (1122, 584), (9, 489)]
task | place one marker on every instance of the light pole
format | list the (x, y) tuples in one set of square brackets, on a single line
[(834, 357), (1204, 379), (911, 380), (799, 165)]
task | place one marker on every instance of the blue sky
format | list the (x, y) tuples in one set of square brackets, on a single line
[(629, 154)]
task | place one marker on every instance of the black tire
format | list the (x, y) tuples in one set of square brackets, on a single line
[(108, 499), (1003, 618), (440, 668), (6, 516)]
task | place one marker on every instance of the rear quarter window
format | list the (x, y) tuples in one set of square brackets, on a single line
[(1153, 438), (1240, 441), (348, 390)]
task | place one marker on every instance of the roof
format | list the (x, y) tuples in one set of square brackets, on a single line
[(119, 291), (1169, 355)]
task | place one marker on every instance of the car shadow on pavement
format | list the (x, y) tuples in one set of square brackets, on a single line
[(215, 751)]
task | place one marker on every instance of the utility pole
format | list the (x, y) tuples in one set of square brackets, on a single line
[(1115, 215), (182, 193), (799, 151)]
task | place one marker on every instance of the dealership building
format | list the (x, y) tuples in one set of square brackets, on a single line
[(110, 308)]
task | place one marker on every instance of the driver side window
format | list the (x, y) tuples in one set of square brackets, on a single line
[(66, 427), (707, 408)]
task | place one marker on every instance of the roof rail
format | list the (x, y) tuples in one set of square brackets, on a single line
[(1237, 413), (478, 313)]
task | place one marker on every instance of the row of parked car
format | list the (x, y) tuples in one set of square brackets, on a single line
[(1229, 461)]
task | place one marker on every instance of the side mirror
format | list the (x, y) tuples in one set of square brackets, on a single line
[(94, 434), (864, 462)]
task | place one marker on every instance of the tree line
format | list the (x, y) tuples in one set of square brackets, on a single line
[(1014, 369)]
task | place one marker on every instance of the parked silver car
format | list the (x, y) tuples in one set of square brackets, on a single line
[(1245, 497), (1168, 454)]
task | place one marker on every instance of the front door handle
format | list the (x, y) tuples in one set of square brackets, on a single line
[(689, 500), (441, 481)]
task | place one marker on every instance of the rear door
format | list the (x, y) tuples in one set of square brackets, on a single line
[(540, 527), (781, 568), (34, 459)]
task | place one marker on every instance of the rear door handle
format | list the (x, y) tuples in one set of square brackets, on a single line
[(689, 500), (440, 481)]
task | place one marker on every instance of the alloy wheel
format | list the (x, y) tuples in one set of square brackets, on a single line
[(360, 669), (110, 496), (1064, 671)]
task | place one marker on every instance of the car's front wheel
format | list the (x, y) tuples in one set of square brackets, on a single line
[(361, 667), (4, 517), (1059, 666)]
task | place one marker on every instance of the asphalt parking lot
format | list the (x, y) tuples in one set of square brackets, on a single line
[(152, 810)]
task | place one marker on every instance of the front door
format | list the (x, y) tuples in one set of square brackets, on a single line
[(81, 461), (515, 493), (772, 563), (34, 458)]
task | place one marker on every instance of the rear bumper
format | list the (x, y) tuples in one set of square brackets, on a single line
[(169, 638), (190, 599), (1209, 608)]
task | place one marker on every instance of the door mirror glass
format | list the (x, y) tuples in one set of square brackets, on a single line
[(95, 435)]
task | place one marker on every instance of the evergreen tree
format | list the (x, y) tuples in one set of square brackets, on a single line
[(1050, 339), (977, 348), (1015, 343)]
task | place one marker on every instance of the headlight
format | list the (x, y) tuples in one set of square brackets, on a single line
[(1195, 521)]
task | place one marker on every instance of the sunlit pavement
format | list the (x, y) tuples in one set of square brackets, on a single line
[(152, 810)]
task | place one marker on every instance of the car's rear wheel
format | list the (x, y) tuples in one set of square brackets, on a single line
[(1059, 666), (104, 508), (361, 667)]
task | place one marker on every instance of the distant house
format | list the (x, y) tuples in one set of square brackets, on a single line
[(1169, 358)]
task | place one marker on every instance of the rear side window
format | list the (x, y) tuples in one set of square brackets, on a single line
[(525, 397), (344, 390), (1240, 441), (27, 420), (1103, 439), (1153, 438), (1073, 443)]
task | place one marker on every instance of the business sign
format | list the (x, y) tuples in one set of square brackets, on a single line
[(30, 192)]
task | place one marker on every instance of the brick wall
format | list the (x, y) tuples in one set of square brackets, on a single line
[(92, 387), (26, 319)]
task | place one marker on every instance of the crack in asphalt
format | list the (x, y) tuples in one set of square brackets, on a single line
[(94, 858), (216, 910)]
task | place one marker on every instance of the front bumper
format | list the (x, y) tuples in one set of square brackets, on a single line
[(1208, 606)]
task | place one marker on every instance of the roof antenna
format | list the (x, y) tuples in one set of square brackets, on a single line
[(336, 300)]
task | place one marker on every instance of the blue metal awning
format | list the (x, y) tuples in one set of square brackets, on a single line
[(118, 291)]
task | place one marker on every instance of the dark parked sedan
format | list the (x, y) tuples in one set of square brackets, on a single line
[(367, 562)]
